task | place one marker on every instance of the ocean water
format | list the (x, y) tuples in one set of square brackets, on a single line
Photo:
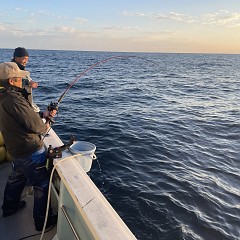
[(167, 131)]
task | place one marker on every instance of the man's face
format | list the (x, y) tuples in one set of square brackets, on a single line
[(17, 82), (22, 60)]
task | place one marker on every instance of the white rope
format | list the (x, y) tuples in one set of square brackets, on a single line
[(49, 189)]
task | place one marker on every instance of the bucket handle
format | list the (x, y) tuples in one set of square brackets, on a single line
[(94, 157)]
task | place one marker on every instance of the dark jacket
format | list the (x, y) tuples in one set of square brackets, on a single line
[(19, 65), (20, 126), (27, 87)]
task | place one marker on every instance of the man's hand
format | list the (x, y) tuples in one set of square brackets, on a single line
[(33, 84), (53, 113), (47, 113), (50, 112)]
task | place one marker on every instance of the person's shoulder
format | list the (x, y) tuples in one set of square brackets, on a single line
[(21, 67), (15, 96), (7, 98)]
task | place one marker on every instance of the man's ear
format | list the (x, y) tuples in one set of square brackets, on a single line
[(11, 81)]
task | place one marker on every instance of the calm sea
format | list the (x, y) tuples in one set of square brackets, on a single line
[(167, 131)]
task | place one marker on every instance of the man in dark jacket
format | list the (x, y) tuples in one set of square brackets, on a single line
[(20, 57), (21, 129)]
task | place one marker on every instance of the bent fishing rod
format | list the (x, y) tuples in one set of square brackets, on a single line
[(54, 105)]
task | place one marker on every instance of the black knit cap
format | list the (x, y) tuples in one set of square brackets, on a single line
[(20, 52)]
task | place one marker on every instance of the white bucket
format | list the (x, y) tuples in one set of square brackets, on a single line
[(87, 150)]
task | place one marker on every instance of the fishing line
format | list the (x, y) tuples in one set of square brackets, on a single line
[(88, 69), (54, 105)]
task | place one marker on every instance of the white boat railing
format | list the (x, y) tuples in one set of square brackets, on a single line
[(83, 212)]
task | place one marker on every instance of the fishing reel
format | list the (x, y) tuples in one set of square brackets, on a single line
[(52, 106), (56, 152)]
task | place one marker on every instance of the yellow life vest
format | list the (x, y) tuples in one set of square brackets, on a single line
[(2, 153), (1, 140)]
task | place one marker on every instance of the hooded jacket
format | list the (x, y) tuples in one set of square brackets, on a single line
[(20, 126)]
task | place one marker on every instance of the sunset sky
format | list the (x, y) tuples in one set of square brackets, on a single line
[(180, 26)]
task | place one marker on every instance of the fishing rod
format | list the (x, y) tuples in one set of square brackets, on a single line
[(54, 105), (88, 69)]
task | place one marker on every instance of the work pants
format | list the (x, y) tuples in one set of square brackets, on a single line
[(33, 170)]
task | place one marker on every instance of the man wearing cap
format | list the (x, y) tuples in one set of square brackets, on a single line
[(21, 128), (20, 57)]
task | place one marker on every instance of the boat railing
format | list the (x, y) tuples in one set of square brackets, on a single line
[(83, 211)]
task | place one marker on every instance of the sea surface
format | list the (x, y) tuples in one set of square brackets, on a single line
[(167, 131)]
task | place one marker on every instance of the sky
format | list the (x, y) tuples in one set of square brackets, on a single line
[(174, 26)]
